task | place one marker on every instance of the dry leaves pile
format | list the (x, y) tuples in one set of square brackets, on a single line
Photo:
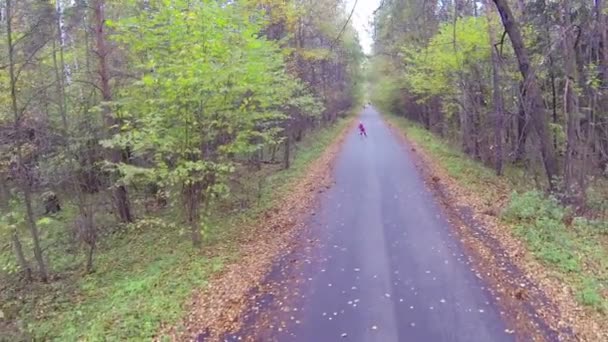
[(536, 303), (217, 309)]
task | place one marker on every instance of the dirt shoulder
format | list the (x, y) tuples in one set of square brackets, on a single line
[(535, 302), (217, 308)]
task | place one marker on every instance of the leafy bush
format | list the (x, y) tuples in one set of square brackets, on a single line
[(589, 294), (539, 220), (597, 199), (591, 226), (532, 205)]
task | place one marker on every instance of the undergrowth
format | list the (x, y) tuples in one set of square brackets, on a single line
[(144, 272), (571, 247)]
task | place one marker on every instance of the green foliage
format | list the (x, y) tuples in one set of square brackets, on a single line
[(597, 200), (532, 205), (10, 222), (540, 222), (433, 69), (559, 135), (594, 226), (140, 282), (590, 295), (386, 90), (146, 270), (208, 92), (198, 90)]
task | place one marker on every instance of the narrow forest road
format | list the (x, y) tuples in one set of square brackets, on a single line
[(386, 266)]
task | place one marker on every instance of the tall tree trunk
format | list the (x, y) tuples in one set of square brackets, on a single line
[(15, 241), (571, 114), (287, 152), (18, 248), (553, 97), (522, 127), (31, 222), (570, 101), (497, 99), (86, 228), (602, 133), (59, 66), (59, 89), (192, 198), (465, 126), (90, 266), (5, 194), (532, 90), (121, 197), (91, 232), (26, 181)]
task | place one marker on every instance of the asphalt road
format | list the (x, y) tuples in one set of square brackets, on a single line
[(388, 267)]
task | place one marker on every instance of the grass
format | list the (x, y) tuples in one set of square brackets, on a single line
[(141, 280), (144, 272), (574, 252)]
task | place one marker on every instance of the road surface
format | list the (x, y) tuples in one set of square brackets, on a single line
[(388, 267)]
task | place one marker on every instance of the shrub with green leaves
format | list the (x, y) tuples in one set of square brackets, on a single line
[(539, 220), (532, 205)]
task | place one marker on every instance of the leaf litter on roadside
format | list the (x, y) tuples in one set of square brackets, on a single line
[(217, 309), (494, 247)]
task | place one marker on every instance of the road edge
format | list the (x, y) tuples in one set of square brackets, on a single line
[(498, 258), (216, 309)]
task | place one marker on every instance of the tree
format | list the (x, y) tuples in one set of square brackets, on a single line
[(497, 98), (115, 102), (532, 91), (324, 53), (102, 50), (211, 101), (18, 61), (535, 103)]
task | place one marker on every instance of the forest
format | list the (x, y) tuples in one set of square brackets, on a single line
[(140, 140), (521, 88), (130, 130), (516, 83)]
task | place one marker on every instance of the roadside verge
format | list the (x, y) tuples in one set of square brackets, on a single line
[(216, 308), (535, 299)]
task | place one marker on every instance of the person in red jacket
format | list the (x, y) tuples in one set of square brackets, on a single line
[(362, 129)]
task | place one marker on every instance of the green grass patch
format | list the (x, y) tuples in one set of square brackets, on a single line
[(572, 247), (145, 271), (539, 221), (141, 280)]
